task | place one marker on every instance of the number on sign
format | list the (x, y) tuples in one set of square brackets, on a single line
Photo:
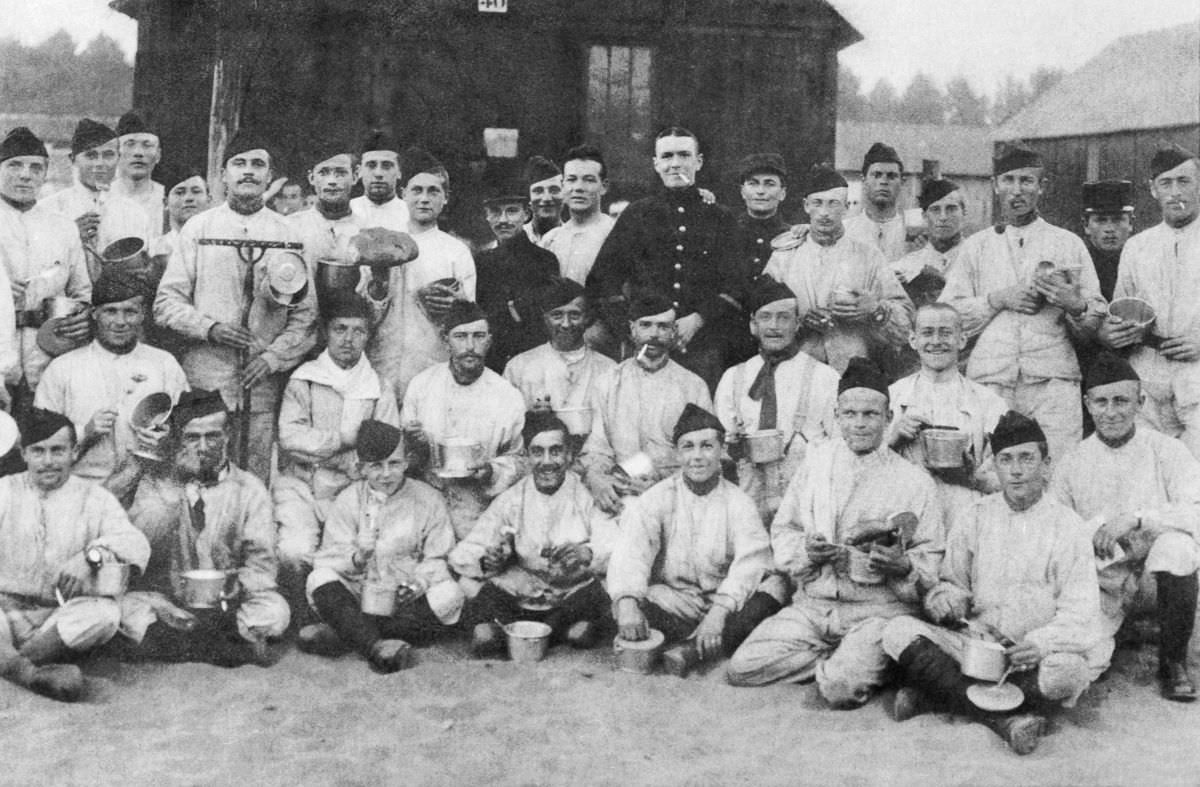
[(493, 6)]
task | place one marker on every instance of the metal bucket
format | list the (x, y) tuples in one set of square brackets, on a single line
[(110, 579), (577, 419), (764, 446), (60, 306), (641, 656), (203, 588), (455, 457), (527, 640), (334, 275), (984, 660), (860, 568), (944, 447), (379, 598)]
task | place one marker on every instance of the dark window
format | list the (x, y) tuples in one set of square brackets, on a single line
[(619, 109)]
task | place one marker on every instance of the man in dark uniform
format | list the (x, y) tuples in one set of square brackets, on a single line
[(763, 179), (511, 275), (1107, 224), (674, 243)]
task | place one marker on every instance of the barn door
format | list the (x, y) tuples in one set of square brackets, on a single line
[(619, 114)]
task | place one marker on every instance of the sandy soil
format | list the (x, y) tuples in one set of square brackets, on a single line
[(570, 719)]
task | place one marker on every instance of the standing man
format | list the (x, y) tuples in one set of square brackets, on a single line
[(289, 199), (462, 401), (1107, 224), (379, 172), (510, 276), (780, 389), (1139, 492), (577, 242), (140, 153), (98, 385), (1161, 265), (675, 243), (637, 404), (1026, 289), (53, 526), (881, 224), (923, 272), (327, 229), (42, 257), (241, 344), (186, 195), (850, 302), (410, 299), (100, 216), (545, 197)]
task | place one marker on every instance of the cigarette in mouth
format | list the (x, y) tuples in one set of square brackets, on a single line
[(641, 356)]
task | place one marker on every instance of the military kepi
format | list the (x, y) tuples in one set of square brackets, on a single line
[(862, 373), (1108, 368), (693, 419), (1108, 196), (1015, 429), (1015, 155)]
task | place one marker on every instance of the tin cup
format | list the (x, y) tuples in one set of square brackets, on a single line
[(379, 598)]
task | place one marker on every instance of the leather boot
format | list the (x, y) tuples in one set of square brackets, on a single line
[(1176, 616), (62, 682)]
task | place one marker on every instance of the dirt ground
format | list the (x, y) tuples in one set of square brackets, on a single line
[(571, 719)]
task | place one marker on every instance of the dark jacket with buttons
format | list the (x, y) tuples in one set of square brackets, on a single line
[(754, 241), (509, 279)]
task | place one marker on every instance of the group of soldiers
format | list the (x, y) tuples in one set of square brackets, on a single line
[(693, 423)]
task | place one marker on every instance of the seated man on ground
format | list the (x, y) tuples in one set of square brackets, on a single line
[(1138, 490), (386, 535), (55, 528), (541, 548), (325, 401), (200, 512), (691, 556), (853, 565), (1018, 570)]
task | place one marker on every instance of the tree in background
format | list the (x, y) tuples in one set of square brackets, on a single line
[(50, 78), (923, 102), (965, 107)]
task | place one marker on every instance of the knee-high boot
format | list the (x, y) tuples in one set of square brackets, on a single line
[(1176, 618)]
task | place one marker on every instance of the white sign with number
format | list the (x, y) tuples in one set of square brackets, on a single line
[(493, 6)]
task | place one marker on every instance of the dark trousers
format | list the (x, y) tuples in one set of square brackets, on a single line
[(590, 603), (738, 625), (413, 621), (213, 640)]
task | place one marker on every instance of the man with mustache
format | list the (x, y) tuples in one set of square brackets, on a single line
[(636, 405), (545, 183), (463, 403), (691, 555), (141, 151), (1018, 570), (923, 272), (98, 385), (676, 243), (1107, 225), (780, 389), (324, 404), (200, 511), (1161, 265), (938, 395), (43, 258), (237, 339), (389, 532), (564, 372), (850, 302), (510, 276), (1139, 491), (100, 216), (1027, 289), (409, 300), (577, 242), (53, 528), (379, 172), (850, 568), (881, 224), (540, 549)]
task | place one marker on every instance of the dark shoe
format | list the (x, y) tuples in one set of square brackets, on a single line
[(910, 702), (582, 634), (321, 640), (62, 682), (1021, 732), (487, 641), (1176, 683), (391, 655), (680, 659)]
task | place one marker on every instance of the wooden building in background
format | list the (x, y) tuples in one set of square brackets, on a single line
[(1105, 120), (479, 81)]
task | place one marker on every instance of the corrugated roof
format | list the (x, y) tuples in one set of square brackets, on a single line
[(962, 150), (1142, 81)]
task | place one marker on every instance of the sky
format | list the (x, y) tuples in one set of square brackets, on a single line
[(984, 40)]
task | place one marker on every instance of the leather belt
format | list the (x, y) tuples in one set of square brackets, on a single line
[(30, 318)]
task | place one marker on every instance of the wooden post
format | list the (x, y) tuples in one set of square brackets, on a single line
[(224, 114)]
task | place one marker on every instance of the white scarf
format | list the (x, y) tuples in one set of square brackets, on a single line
[(358, 382)]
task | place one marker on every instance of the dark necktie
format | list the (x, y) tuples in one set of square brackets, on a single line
[(763, 387), (197, 510)]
